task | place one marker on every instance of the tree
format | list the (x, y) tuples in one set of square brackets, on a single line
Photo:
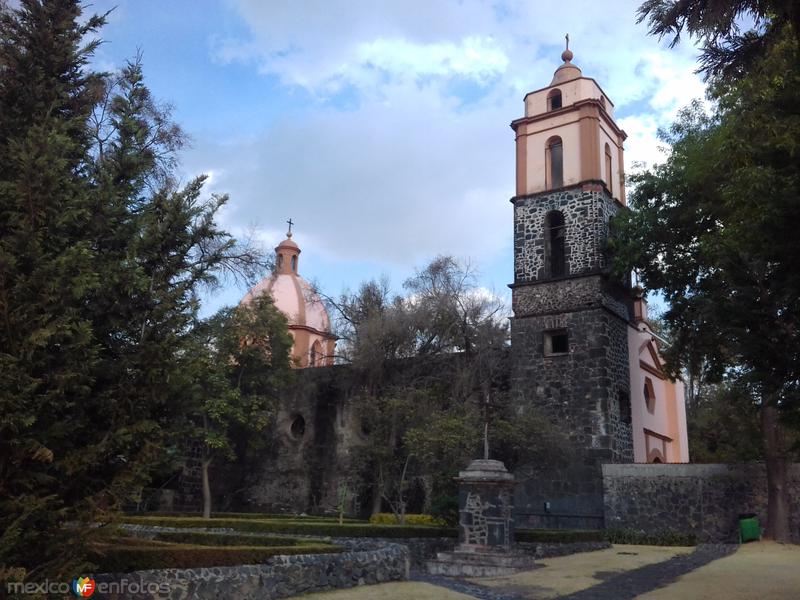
[(432, 384), (102, 256), (241, 364), (714, 229), (727, 51)]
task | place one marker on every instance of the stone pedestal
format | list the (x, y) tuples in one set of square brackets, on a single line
[(485, 525)]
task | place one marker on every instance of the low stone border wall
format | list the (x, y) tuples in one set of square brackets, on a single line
[(423, 549), (363, 563), (419, 549)]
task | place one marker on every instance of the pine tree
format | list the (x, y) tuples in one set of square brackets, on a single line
[(47, 271), (102, 257)]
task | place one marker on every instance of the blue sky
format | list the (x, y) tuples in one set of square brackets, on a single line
[(381, 128)]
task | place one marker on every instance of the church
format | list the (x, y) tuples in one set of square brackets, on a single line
[(582, 350)]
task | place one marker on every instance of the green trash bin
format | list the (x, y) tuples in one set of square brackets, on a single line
[(749, 529)]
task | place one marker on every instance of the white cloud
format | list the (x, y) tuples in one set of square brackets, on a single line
[(413, 168)]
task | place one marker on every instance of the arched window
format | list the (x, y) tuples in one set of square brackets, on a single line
[(649, 395), (554, 163), (554, 99), (608, 170), (294, 264), (315, 360), (555, 247), (280, 260)]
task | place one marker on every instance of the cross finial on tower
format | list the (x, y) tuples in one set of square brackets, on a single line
[(290, 222), (566, 55)]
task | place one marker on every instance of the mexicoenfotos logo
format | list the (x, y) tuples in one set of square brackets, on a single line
[(83, 587)]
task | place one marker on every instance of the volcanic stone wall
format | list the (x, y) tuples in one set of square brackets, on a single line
[(578, 390), (704, 500), (586, 210)]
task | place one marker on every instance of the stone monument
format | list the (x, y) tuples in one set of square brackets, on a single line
[(485, 525)]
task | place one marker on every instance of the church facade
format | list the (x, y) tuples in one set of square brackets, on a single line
[(582, 351)]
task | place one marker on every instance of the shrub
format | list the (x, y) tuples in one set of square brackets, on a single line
[(252, 515), (362, 529), (216, 539), (656, 538), (558, 536), (446, 509), (410, 519), (125, 556)]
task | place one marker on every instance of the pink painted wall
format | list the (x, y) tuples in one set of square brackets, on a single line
[(660, 429)]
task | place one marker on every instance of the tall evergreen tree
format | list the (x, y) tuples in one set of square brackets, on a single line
[(102, 255), (48, 354)]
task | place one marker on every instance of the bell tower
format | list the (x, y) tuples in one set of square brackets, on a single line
[(569, 330)]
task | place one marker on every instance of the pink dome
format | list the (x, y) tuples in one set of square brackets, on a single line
[(295, 298)]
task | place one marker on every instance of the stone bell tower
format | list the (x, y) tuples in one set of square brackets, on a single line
[(569, 331)]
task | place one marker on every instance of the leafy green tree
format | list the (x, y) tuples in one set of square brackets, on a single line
[(241, 364), (714, 229), (432, 384), (724, 425)]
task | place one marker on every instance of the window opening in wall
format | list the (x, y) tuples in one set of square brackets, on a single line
[(316, 354), (624, 408), (554, 159), (556, 342), (294, 264), (280, 260), (608, 169), (554, 100), (298, 427), (555, 245), (649, 395)]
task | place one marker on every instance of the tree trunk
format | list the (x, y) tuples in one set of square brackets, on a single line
[(775, 458), (377, 496), (206, 489)]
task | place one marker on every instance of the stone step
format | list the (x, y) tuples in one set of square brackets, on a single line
[(477, 564), (519, 561), (455, 569)]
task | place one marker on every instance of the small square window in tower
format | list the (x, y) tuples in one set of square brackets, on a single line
[(556, 342)]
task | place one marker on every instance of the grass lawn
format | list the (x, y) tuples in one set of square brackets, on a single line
[(758, 570)]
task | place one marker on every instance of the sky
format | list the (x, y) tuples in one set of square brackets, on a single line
[(381, 128)]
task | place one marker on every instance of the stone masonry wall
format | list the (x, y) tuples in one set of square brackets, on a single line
[(578, 392), (586, 214), (282, 576), (704, 500)]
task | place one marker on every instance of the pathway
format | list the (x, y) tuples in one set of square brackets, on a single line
[(618, 586)]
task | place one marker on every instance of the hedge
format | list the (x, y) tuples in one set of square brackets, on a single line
[(122, 557), (300, 527), (216, 539), (658, 538), (410, 519), (243, 515), (559, 536)]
